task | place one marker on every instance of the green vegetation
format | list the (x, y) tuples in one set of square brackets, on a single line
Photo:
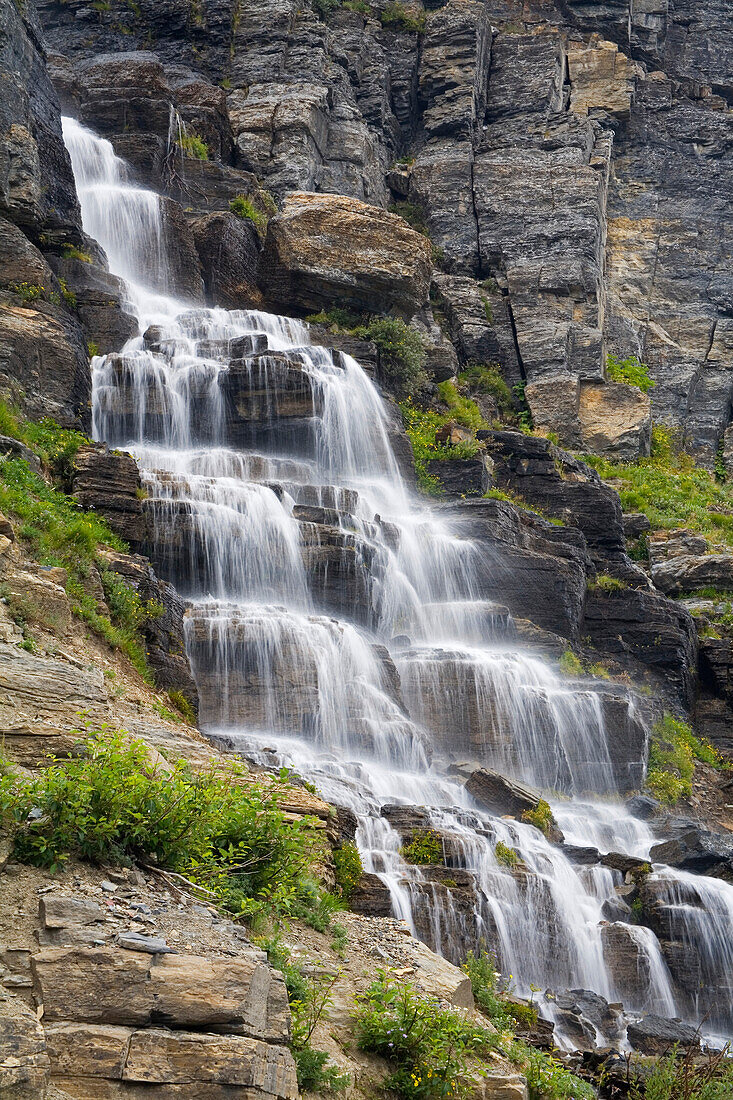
[(401, 354), (425, 848), (571, 664), (413, 214), (245, 208), (429, 1048), (487, 378), (309, 998), (673, 751), (541, 817), (671, 490), (110, 803), (92, 349), (183, 706), (630, 371), (604, 582), (71, 252), (505, 855), (193, 146), (463, 409), (400, 17), (348, 869), (547, 1079), (681, 1076), (421, 426)]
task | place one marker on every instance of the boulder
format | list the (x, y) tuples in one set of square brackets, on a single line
[(322, 249), (108, 985), (681, 573), (697, 850), (502, 796), (555, 406), (109, 483), (462, 477), (59, 911), (371, 897), (615, 420), (228, 248), (656, 1035)]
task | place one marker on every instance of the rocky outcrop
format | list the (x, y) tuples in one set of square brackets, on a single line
[(108, 482), (322, 249)]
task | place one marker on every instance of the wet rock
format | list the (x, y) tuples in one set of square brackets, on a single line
[(627, 865), (583, 1014), (657, 1035), (584, 857), (371, 897), (364, 351), (228, 248), (462, 477), (643, 806), (108, 482), (500, 795), (697, 850), (325, 248), (101, 302)]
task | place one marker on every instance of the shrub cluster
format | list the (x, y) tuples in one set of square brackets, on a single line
[(425, 848), (348, 869), (673, 750), (631, 371), (192, 145)]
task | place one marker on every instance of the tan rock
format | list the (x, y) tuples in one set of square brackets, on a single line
[(615, 420), (24, 1061), (600, 77), (500, 1086), (40, 600), (87, 1050), (554, 402), (327, 249), (440, 978), (175, 1057), (111, 985)]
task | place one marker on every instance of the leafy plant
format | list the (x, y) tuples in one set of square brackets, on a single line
[(547, 1078), (401, 354), (430, 1048), (463, 409), (244, 208), (487, 378), (348, 868), (110, 803), (426, 847), (71, 252), (673, 750), (421, 426), (541, 817), (570, 664), (630, 371), (679, 1076), (505, 855), (193, 146)]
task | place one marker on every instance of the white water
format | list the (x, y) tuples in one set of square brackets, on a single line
[(294, 664)]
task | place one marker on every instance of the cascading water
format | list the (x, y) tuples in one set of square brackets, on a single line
[(340, 627)]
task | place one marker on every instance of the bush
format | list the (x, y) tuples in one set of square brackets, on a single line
[(424, 849), (506, 855), (401, 354), (570, 664), (681, 1077), (348, 869), (421, 426), (606, 583), (541, 817), (547, 1079), (244, 208), (487, 378), (70, 252), (109, 803), (183, 706), (630, 371), (430, 1048), (673, 750), (399, 17), (193, 146)]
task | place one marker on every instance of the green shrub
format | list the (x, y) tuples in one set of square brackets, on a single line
[(399, 17), (487, 987), (244, 208), (462, 409), (70, 252), (487, 378), (325, 8), (426, 847), (673, 750), (430, 1048), (570, 664), (28, 292), (541, 817), (401, 354), (413, 214), (92, 349), (679, 1076), (348, 869), (631, 371), (183, 706), (337, 318), (109, 803), (506, 855), (548, 1079), (193, 146), (421, 426)]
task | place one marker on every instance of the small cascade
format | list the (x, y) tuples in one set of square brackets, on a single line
[(340, 627)]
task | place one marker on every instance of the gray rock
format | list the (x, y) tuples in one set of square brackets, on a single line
[(657, 1035), (59, 911), (151, 945)]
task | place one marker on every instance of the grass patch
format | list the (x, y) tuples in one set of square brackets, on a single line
[(244, 208), (673, 750), (191, 145), (604, 582), (571, 664), (461, 408), (680, 1076), (671, 490), (631, 371), (487, 378), (424, 849)]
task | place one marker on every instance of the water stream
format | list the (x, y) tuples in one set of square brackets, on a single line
[(342, 627)]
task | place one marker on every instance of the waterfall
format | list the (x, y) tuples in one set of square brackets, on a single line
[(341, 627)]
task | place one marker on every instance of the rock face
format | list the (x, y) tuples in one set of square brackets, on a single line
[(326, 248)]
